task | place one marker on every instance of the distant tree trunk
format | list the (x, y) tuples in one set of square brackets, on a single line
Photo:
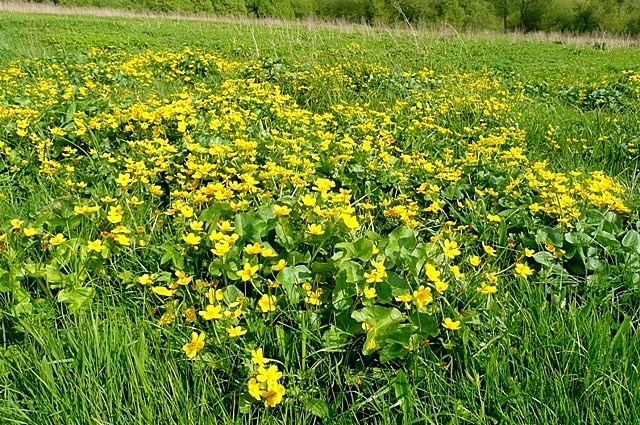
[(505, 14), (523, 11)]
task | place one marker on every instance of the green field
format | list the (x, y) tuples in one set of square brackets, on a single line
[(413, 227)]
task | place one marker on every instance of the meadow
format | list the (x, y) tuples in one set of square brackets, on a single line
[(233, 221)]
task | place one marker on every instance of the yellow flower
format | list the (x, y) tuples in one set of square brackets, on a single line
[(369, 292), (432, 273), (164, 291), (215, 236), (258, 358), (323, 185), (279, 266), (456, 272), (155, 190), (315, 229), (254, 388), (121, 229), (108, 200), (350, 221), (247, 271), (489, 250), (15, 223), (528, 252), (145, 279), (254, 249), (450, 324), (308, 200), (475, 261), (124, 179), (494, 218), (422, 296), (281, 210), (122, 240), (523, 270), (487, 289), (191, 239), (192, 347), (114, 218), (183, 278), (450, 248), (57, 239), (221, 248), (29, 231), (313, 297), (211, 312), (267, 303), (441, 286), (186, 211), (271, 374), (95, 245), (236, 331), (273, 394), (225, 226), (404, 298), (196, 226)]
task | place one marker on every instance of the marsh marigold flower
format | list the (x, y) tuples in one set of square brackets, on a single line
[(247, 271), (267, 303), (95, 245), (192, 347), (57, 239), (523, 270), (450, 248), (451, 324)]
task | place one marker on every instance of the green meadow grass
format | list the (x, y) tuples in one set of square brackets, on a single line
[(559, 351)]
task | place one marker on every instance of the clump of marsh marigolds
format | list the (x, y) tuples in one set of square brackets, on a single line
[(264, 385)]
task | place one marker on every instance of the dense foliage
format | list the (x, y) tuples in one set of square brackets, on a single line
[(576, 16)]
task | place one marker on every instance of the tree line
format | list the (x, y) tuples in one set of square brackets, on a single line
[(575, 16)]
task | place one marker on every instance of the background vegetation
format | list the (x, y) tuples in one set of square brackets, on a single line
[(575, 16)]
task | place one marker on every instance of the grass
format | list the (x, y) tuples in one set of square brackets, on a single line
[(562, 348)]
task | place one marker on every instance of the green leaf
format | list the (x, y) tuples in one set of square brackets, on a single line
[(231, 294), (22, 301), (632, 241), (399, 285), (343, 293), (5, 281), (401, 386), (426, 324), (578, 239), (291, 279), (52, 275), (607, 239), (351, 272), (545, 258), (382, 323), (550, 235), (317, 407), (214, 212), (401, 243), (284, 235), (245, 403), (76, 298), (334, 338), (362, 249)]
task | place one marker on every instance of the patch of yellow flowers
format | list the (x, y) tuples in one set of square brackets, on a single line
[(245, 145)]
